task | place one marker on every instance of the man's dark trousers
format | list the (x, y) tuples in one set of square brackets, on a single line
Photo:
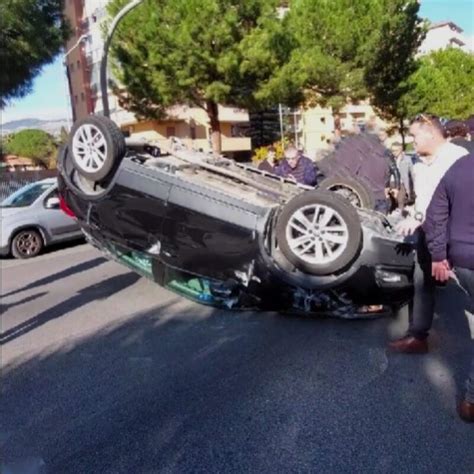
[(466, 279), (421, 309)]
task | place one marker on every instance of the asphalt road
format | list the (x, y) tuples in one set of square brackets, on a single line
[(105, 372)]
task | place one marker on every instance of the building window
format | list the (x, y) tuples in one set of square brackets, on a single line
[(71, 67), (234, 131), (323, 119), (192, 131), (78, 64), (76, 100), (170, 132), (83, 97)]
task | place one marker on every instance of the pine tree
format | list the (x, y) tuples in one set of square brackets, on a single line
[(32, 32), (197, 52)]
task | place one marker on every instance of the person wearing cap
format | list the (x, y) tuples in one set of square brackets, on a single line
[(436, 156)]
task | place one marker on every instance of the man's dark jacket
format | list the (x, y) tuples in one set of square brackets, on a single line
[(449, 224)]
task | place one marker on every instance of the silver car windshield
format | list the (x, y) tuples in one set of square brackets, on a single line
[(25, 196)]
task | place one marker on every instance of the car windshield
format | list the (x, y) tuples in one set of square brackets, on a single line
[(26, 196)]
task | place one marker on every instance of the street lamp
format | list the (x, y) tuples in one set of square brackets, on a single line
[(80, 40), (103, 63), (76, 44)]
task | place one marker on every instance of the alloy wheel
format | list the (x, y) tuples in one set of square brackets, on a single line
[(28, 244), (89, 148), (317, 234)]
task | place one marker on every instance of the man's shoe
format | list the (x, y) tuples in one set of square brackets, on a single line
[(466, 411), (409, 345)]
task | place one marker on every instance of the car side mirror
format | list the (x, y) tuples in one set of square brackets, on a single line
[(52, 203)]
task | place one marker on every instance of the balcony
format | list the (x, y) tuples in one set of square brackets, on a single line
[(231, 114), (236, 144)]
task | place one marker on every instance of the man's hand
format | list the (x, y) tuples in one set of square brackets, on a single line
[(441, 271), (391, 192), (408, 226), (394, 192)]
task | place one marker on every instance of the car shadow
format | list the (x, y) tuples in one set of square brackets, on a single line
[(63, 245), (98, 291), (81, 267), (53, 248)]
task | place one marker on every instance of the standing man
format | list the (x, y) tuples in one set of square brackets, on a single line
[(298, 167), (437, 155), (405, 166), (449, 230)]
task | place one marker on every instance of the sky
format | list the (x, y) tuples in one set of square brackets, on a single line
[(49, 99)]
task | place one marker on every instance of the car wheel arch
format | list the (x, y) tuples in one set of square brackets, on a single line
[(44, 235)]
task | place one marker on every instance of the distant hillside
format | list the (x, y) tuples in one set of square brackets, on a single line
[(51, 126)]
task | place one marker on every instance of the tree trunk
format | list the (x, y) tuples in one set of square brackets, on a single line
[(216, 139)]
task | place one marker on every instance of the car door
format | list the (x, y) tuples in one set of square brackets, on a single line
[(57, 224), (207, 235), (132, 215)]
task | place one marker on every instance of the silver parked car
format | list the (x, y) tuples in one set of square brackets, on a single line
[(31, 219)]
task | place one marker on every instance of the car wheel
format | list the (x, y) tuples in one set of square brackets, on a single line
[(319, 233), (27, 244), (355, 191), (97, 147)]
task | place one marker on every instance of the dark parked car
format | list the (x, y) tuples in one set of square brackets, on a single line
[(227, 234)]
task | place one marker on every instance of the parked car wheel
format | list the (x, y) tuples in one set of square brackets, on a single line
[(319, 233), (355, 191), (97, 147), (27, 244)]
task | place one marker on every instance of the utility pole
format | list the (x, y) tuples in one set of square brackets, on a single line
[(280, 111)]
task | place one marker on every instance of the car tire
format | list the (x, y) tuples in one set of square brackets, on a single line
[(27, 243), (358, 193), (319, 233), (97, 146)]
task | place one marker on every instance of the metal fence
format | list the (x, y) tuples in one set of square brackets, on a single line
[(10, 181)]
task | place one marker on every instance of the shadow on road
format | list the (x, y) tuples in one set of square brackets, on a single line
[(98, 291), (81, 267), (5, 307), (182, 388)]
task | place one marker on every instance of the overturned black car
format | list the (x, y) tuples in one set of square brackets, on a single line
[(227, 234)]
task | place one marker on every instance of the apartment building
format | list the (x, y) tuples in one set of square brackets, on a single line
[(314, 128), (442, 35), (83, 65)]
